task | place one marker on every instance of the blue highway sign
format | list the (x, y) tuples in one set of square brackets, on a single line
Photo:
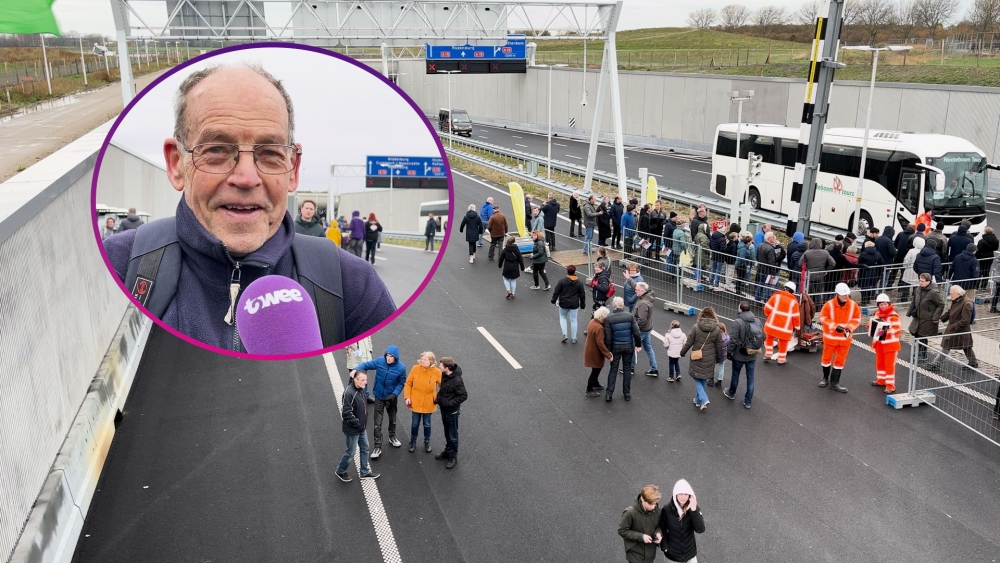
[(514, 49), (406, 166)]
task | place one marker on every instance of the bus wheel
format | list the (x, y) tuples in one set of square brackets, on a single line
[(754, 198), (864, 223)]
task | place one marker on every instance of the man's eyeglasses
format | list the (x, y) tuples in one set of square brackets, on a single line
[(222, 158)]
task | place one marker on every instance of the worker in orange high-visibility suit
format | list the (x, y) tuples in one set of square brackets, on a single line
[(885, 328), (783, 319), (925, 219), (841, 316)]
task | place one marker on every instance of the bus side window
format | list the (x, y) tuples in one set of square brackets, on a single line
[(725, 145), (789, 151), (909, 191), (764, 146)]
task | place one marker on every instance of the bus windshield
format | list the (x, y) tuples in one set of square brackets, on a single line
[(965, 181)]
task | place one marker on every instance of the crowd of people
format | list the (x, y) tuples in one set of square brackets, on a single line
[(427, 386)]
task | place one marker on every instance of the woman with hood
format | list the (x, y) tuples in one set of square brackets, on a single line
[(680, 520), (511, 265), (707, 349), (928, 261), (925, 310), (640, 526), (475, 225), (885, 330), (910, 274), (795, 250), (701, 259)]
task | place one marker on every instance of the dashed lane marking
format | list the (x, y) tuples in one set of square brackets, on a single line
[(503, 352)]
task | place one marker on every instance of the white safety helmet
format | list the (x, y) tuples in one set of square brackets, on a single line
[(790, 285), (882, 298), (843, 289)]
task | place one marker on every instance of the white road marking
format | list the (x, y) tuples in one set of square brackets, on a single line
[(380, 258), (655, 174), (558, 145), (520, 145), (701, 172), (380, 521), (576, 157), (498, 190), (516, 137), (489, 337)]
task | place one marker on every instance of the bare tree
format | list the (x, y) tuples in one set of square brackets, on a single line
[(984, 15), (768, 17), (874, 16), (734, 16), (906, 18), (851, 9), (806, 14), (934, 13), (702, 19)]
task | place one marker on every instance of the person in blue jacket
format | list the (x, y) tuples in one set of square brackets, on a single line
[(390, 376), (628, 229)]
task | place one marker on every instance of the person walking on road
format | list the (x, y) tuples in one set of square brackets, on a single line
[(783, 320), (430, 231), (959, 319), (674, 341), (550, 214), (705, 342), (575, 215), (590, 214), (357, 237), (621, 336), (640, 526), (925, 310), (485, 213), (372, 230), (570, 295), (644, 319), (680, 520), (497, 226), (840, 316), (595, 351), (450, 397), (390, 377), (354, 412), (474, 223), (539, 258), (420, 392), (744, 347), (885, 328), (720, 366), (511, 264)]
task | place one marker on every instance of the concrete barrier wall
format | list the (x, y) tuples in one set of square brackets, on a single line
[(682, 110), (59, 311)]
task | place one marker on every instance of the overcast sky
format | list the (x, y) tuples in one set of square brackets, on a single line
[(336, 125), (95, 15)]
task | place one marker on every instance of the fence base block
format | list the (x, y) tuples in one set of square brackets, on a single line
[(679, 308), (901, 400)]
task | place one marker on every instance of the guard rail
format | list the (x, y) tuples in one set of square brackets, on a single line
[(716, 205)]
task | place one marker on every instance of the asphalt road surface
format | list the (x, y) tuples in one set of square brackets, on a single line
[(219, 459), (402, 269)]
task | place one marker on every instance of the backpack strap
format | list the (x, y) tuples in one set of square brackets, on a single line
[(154, 264), (317, 264)]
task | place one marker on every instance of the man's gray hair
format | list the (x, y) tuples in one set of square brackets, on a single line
[(617, 303), (180, 100), (770, 236), (643, 286)]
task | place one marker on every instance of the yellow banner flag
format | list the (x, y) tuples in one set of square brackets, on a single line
[(652, 191), (517, 200)]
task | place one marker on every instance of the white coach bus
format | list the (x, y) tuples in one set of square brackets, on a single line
[(906, 174)]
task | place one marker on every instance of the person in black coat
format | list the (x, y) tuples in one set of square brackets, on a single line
[(450, 396), (902, 244), (985, 249), (928, 261), (575, 214), (717, 244), (474, 222), (511, 265), (958, 242), (680, 520), (617, 210), (965, 269), (870, 262), (430, 229), (603, 223), (550, 210)]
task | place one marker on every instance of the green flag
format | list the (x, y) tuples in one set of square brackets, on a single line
[(27, 16)]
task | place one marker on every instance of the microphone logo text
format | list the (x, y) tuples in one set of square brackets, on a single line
[(272, 298)]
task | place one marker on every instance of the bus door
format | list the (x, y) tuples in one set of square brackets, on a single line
[(908, 198)]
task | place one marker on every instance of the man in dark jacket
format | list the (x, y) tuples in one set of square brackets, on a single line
[(131, 221), (640, 526), (717, 244), (887, 249), (871, 270), (985, 250), (739, 333), (550, 210), (700, 216), (450, 397), (485, 212), (767, 266), (390, 376), (795, 250), (965, 270), (958, 242), (668, 234), (928, 261), (920, 233), (570, 295), (497, 227), (621, 336), (575, 215), (938, 236), (308, 223), (617, 210), (644, 320), (354, 411)]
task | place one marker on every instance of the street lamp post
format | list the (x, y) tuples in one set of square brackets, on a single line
[(868, 122), (548, 166), (83, 62), (450, 116), (736, 192)]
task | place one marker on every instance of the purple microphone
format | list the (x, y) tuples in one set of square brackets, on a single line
[(277, 317)]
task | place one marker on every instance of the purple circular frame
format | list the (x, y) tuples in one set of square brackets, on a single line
[(273, 44)]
